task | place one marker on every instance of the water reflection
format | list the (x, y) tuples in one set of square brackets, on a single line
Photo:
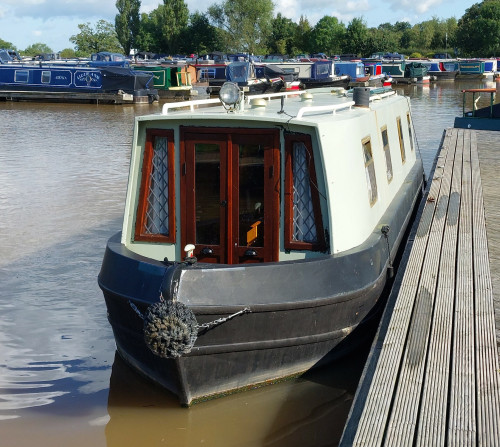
[(299, 412)]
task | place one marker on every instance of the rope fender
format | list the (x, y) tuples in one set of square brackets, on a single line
[(170, 327)]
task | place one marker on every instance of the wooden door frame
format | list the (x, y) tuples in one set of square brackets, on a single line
[(271, 139)]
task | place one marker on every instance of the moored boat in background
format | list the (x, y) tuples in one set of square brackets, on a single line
[(258, 235), (75, 83), (244, 75), (171, 80)]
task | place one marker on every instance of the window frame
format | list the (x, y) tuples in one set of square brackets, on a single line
[(46, 77), (370, 165), (22, 76), (410, 133), (387, 151), (147, 165), (289, 243), (401, 140)]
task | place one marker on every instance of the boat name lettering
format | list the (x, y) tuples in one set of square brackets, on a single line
[(88, 77)]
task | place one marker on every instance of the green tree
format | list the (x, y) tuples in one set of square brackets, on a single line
[(247, 24), (7, 45), (149, 36), (328, 36), (199, 36), (37, 48), (173, 19), (92, 40), (302, 40), (127, 23), (68, 53), (281, 39), (384, 38), (356, 36), (478, 31), (422, 35)]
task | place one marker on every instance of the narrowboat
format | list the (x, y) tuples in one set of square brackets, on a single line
[(474, 69), (244, 74), (171, 80), (313, 74), (441, 70), (75, 83), (258, 234), (272, 71)]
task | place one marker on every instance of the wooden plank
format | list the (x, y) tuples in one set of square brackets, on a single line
[(404, 417), (488, 387), (367, 428), (432, 420), (433, 371), (462, 409), (489, 157)]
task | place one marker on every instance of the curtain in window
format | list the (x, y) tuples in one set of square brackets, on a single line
[(157, 213), (304, 226)]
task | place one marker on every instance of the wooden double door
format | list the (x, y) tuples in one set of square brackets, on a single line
[(230, 194)]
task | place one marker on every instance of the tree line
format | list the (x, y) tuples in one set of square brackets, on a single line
[(252, 27)]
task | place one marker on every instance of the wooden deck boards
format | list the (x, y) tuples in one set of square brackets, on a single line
[(432, 377)]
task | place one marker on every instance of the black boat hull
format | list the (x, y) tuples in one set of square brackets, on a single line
[(295, 315)]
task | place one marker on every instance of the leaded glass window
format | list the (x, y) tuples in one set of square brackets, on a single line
[(156, 208), (303, 220), (304, 226)]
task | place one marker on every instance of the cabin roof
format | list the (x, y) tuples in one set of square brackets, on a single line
[(306, 107)]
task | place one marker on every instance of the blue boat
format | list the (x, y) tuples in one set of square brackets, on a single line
[(75, 83), (353, 69)]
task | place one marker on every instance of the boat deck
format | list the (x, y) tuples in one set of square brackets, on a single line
[(432, 376)]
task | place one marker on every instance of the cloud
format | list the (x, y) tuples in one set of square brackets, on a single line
[(49, 9)]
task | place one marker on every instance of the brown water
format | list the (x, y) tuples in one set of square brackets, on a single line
[(63, 173)]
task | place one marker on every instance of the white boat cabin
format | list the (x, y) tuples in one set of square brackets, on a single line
[(265, 180)]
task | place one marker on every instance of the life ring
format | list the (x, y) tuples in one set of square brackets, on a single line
[(170, 329)]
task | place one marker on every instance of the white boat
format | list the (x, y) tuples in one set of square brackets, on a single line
[(258, 235)]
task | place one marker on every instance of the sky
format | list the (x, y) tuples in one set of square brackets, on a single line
[(53, 22)]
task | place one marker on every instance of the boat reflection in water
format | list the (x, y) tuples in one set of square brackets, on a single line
[(302, 411)]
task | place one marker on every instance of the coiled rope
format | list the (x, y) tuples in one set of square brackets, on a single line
[(170, 327)]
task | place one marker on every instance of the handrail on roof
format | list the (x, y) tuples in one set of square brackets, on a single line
[(335, 107), (248, 98), (191, 104), (329, 108)]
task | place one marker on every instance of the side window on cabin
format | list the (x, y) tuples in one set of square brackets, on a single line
[(155, 219), (303, 221), (46, 77), (371, 181), (401, 140), (387, 152), (21, 76), (409, 131)]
